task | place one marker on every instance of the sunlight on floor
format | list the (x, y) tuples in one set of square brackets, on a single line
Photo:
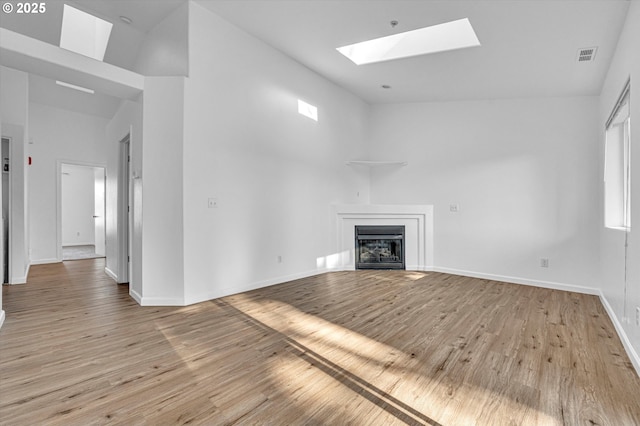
[(357, 366)]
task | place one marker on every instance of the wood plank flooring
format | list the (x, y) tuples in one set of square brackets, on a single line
[(360, 348)]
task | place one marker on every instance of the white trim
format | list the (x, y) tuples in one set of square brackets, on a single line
[(79, 244), (45, 261), (111, 274), (123, 213), (517, 280), (135, 296), (23, 279), (2, 317), (203, 297), (626, 342), (59, 163), (419, 242), (158, 301)]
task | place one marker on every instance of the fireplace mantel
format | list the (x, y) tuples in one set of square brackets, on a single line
[(417, 219)]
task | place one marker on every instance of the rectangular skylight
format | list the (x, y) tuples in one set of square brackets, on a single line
[(73, 86), (437, 38), (84, 33), (307, 110)]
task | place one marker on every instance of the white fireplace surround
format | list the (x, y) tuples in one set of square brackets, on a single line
[(417, 220)]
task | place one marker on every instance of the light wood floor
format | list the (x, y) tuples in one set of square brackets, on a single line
[(362, 348)]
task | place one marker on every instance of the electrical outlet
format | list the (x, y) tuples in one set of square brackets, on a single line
[(454, 208), (638, 316), (213, 203), (544, 262)]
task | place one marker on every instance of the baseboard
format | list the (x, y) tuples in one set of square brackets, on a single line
[(517, 280), (78, 244), (45, 261), (111, 274), (253, 286), (20, 279), (628, 347), (2, 317), (135, 295), (157, 301)]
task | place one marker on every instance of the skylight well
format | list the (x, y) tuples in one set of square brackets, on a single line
[(84, 33), (437, 38)]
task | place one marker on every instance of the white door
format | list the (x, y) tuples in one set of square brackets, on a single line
[(99, 211)]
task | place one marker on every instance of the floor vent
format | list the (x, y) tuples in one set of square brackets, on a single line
[(587, 54)]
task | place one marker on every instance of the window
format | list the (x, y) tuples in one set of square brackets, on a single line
[(617, 167)]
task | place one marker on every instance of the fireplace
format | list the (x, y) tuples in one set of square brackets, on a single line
[(379, 247)]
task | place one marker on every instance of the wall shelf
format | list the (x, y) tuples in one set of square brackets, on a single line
[(376, 163)]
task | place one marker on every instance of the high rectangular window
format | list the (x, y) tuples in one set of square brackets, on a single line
[(617, 166)]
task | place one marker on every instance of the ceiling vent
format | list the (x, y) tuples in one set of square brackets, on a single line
[(587, 54)]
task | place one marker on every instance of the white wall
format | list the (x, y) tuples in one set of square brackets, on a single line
[(273, 172), (78, 203), (57, 134), (127, 120), (164, 51), (14, 117), (521, 172), (625, 64), (160, 188)]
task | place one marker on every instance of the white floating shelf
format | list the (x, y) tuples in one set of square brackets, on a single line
[(376, 163)]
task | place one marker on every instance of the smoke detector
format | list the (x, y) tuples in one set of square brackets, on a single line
[(587, 54)]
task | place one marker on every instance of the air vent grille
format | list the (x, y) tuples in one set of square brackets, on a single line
[(587, 54)]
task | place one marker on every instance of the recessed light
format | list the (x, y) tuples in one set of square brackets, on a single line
[(437, 38), (126, 20)]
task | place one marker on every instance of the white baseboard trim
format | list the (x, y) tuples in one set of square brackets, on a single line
[(2, 317), (111, 274), (628, 347), (77, 244), (45, 261), (20, 279), (134, 294), (157, 301), (252, 286), (517, 280)]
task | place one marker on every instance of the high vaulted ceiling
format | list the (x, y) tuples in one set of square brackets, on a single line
[(528, 47)]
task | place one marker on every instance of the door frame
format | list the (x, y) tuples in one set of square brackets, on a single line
[(59, 164), (124, 209), (9, 207)]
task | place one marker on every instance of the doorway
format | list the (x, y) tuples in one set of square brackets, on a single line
[(124, 210), (6, 207), (82, 199)]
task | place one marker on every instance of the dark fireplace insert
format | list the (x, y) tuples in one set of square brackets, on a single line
[(379, 247)]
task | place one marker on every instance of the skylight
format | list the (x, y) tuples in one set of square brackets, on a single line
[(84, 33), (437, 38)]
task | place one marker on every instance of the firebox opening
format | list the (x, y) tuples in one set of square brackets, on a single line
[(379, 247)]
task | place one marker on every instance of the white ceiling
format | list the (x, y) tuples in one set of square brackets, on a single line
[(122, 49), (529, 47)]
